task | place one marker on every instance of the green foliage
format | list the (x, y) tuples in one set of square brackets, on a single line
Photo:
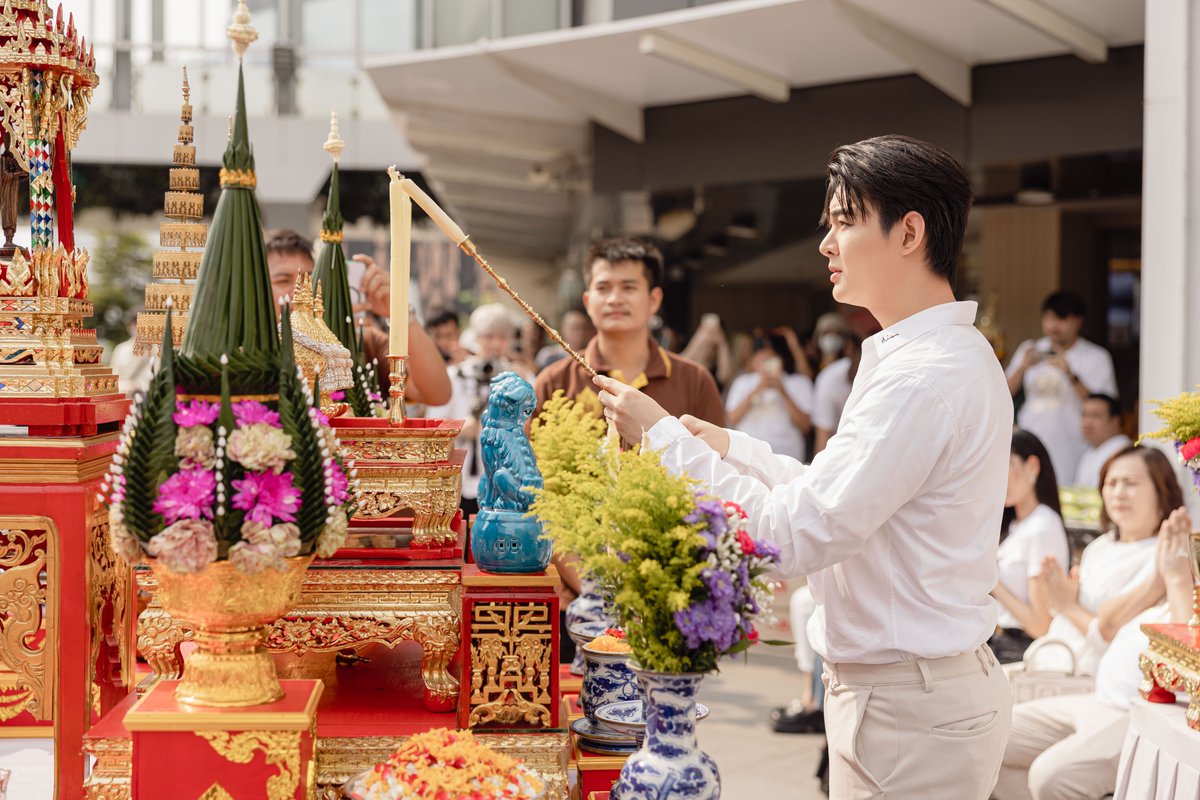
[(1181, 415), (119, 268)]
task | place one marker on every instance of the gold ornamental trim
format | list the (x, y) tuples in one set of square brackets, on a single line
[(226, 720), (280, 748), (26, 731), (182, 234), (511, 663), (180, 296), (238, 178), (111, 777), (216, 792), (550, 578), (29, 605), (332, 236), (183, 205), (184, 155), (52, 470), (180, 264), (150, 326), (184, 179)]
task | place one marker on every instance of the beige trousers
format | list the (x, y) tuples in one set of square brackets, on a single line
[(1063, 748), (930, 729)]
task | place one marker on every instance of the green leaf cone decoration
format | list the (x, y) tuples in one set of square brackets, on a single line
[(234, 308), (308, 468), (163, 453), (331, 277)]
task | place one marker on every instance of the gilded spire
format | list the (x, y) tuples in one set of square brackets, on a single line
[(334, 144), (241, 33)]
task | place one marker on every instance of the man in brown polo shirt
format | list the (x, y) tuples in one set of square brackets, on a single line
[(624, 289)]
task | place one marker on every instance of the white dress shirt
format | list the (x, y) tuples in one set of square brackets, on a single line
[(1022, 552), (1090, 463), (896, 522), (1052, 408)]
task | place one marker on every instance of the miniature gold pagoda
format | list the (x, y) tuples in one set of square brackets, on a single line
[(47, 77), (182, 240), (318, 351)]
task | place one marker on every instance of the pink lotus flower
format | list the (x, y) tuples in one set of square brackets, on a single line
[(338, 483), (266, 497), (187, 546), (188, 494), (196, 412), (249, 412)]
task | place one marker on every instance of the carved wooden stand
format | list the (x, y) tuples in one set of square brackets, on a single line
[(1172, 664), (66, 601)]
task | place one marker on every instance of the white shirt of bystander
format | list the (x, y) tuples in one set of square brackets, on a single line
[(1117, 675), (1108, 568), (767, 418), (1092, 461), (1052, 408), (1022, 552), (895, 522), (830, 392)]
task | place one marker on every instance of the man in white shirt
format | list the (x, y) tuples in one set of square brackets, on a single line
[(896, 521), (1100, 423), (1057, 372)]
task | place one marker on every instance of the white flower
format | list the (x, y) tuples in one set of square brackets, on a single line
[(194, 446), (334, 534), (260, 447)]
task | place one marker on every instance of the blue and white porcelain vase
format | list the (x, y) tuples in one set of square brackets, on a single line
[(589, 606), (669, 765), (607, 678)]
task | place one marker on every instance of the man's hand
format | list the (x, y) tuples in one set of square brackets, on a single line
[(376, 287), (714, 436), (631, 411)]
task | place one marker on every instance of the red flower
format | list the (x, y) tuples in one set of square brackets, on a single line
[(1190, 449), (616, 633), (746, 543), (734, 508), (752, 635)]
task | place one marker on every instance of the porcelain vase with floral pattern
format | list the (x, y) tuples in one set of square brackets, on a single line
[(670, 765)]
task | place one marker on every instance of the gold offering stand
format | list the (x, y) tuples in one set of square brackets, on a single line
[(1172, 664)]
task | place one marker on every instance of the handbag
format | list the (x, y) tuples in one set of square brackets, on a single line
[(1027, 682)]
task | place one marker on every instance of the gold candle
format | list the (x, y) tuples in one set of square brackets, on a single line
[(401, 213)]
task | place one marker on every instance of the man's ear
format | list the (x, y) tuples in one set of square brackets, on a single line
[(912, 233), (656, 297)]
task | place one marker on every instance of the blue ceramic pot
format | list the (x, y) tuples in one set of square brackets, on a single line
[(669, 765), (588, 607), (509, 541), (607, 678)]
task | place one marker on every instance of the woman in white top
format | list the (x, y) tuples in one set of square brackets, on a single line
[(1034, 534), (771, 402), (1116, 577)]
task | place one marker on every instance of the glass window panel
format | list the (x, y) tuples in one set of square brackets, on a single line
[(327, 26), (530, 16), (461, 21), (388, 26)]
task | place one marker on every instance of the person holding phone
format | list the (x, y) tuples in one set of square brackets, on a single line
[(1057, 373), (771, 402)]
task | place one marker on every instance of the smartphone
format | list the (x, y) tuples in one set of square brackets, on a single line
[(773, 366)]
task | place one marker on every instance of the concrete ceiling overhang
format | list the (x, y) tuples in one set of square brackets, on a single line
[(502, 126)]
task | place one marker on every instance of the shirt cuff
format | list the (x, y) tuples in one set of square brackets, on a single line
[(740, 449), (665, 433)]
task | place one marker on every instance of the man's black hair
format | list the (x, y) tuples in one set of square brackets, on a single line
[(287, 242), (1114, 406), (889, 176), (1064, 304), (626, 248), (440, 318)]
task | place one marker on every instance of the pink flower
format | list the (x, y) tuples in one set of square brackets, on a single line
[(197, 412), (187, 546), (266, 497), (188, 494), (249, 412), (321, 417), (337, 396), (338, 483)]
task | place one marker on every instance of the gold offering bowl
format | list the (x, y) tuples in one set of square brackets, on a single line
[(228, 612)]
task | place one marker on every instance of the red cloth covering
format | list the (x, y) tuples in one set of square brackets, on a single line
[(64, 213)]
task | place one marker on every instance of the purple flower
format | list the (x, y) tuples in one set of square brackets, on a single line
[(266, 497), (249, 412), (188, 494), (196, 412), (708, 621), (375, 397), (719, 583), (710, 513)]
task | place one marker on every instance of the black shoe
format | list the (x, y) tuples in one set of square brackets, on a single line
[(790, 720)]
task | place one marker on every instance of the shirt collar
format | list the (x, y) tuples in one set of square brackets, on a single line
[(892, 338), (659, 365)]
